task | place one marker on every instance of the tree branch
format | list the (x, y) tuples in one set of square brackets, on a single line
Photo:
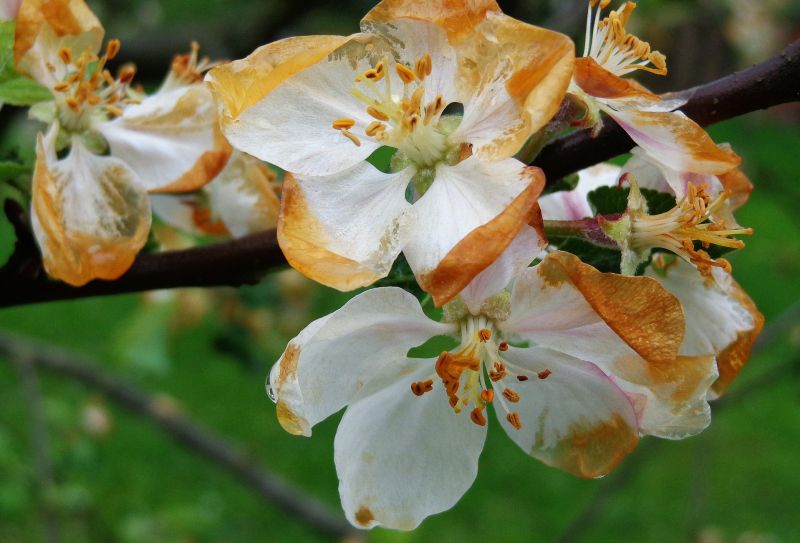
[(185, 432), (231, 263)]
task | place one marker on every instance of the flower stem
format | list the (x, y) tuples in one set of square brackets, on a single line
[(589, 230)]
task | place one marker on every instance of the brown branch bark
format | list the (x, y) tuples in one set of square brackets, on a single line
[(773, 82), (185, 432)]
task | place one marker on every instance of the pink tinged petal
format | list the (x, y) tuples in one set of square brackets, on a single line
[(171, 140), (651, 173), (675, 140), (629, 326), (518, 256), (89, 214), (345, 230), (721, 320), (461, 199), (401, 457), (574, 418), (9, 9), (336, 358), (574, 204), (291, 126)]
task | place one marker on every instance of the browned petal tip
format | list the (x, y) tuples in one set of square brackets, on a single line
[(484, 244)]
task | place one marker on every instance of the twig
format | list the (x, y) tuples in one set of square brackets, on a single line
[(185, 432), (773, 82), (40, 444)]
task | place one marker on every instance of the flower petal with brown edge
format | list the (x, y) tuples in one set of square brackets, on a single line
[(483, 245), (639, 310), (89, 214), (596, 81), (287, 116), (675, 140), (45, 26), (344, 231), (512, 79), (732, 358), (171, 140), (458, 17)]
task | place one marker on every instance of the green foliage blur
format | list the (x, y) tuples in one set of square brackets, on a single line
[(207, 353)]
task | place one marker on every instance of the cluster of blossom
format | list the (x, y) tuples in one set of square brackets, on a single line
[(576, 363)]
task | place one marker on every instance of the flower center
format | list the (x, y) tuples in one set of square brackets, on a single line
[(613, 48), (402, 119), (690, 221), (472, 373), (89, 90)]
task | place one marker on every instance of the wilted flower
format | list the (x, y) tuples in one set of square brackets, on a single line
[(319, 106), (107, 146), (577, 364), (720, 317), (610, 52), (241, 200)]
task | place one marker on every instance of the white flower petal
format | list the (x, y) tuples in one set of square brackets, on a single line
[(242, 196), (291, 126), (411, 39), (171, 140), (575, 418), (345, 230), (720, 318), (330, 362), (401, 458)]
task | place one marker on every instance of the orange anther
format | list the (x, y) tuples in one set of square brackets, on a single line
[(377, 113), (65, 55), (487, 395), (112, 49), (513, 419), (503, 347), (510, 395), (405, 73), (352, 137), (477, 417), (498, 371), (544, 374), (484, 335), (421, 387)]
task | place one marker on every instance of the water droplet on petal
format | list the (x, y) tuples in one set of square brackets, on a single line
[(271, 394)]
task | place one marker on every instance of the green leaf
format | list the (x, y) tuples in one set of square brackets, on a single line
[(608, 200), (611, 200), (602, 258), (564, 184), (16, 89), (8, 237), (402, 276)]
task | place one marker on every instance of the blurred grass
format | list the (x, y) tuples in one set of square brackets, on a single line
[(135, 486)]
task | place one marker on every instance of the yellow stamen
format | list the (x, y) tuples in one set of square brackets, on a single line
[(345, 124), (406, 75), (378, 114), (352, 137)]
